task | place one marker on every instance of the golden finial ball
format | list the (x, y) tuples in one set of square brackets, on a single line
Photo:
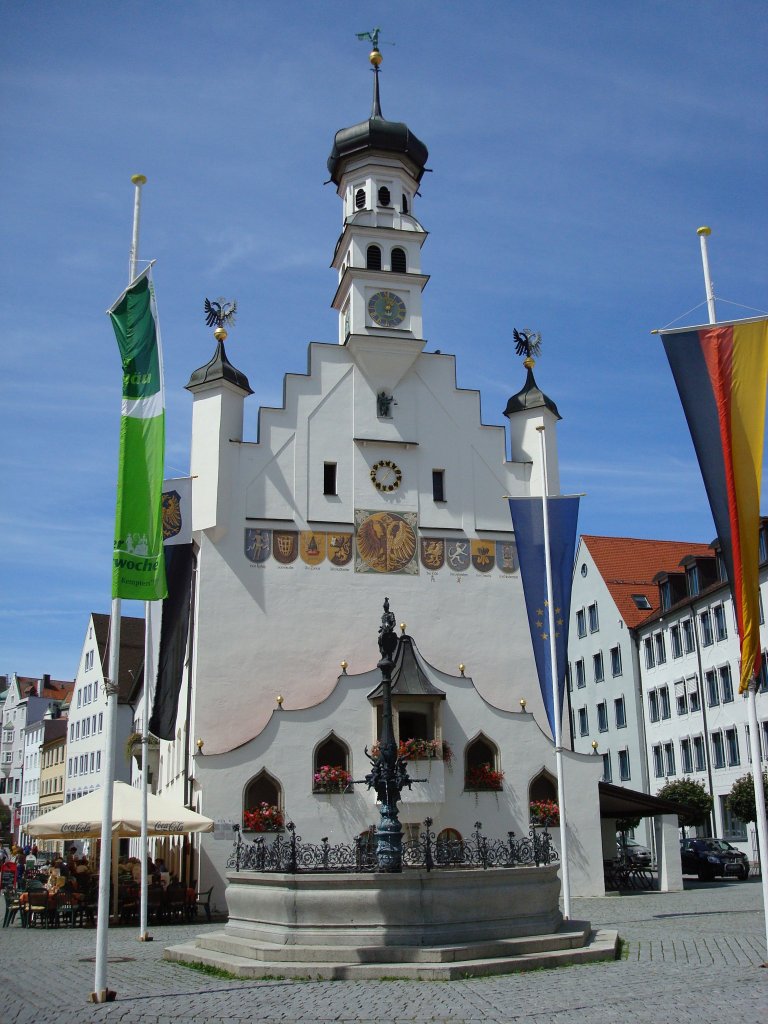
[(704, 230), (139, 179), (529, 363), (344, 666), (220, 334), (199, 745), (462, 666), (375, 58), (403, 627), (279, 699), (523, 703), (594, 745)]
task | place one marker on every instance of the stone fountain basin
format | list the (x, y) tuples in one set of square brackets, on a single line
[(413, 908)]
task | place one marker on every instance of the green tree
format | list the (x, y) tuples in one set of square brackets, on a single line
[(697, 801), (741, 799)]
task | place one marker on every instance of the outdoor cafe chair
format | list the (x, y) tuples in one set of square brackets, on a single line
[(12, 907), (38, 908)]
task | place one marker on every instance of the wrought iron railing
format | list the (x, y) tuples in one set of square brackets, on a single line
[(290, 855)]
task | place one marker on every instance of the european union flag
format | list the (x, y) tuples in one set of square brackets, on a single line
[(528, 520)]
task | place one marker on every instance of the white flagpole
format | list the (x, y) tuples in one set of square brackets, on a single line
[(555, 688), (101, 994), (754, 728)]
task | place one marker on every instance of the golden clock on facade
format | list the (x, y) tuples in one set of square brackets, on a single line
[(386, 475), (386, 309)]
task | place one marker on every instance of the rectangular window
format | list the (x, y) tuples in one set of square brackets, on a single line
[(581, 622), (438, 485), (688, 644), (762, 546), (98, 760), (594, 625), (79, 697), (699, 760), (721, 630), (665, 592), (669, 758), (77, 730), (95, 690), (329, 478), (726, 684), (602, 717), (648, 647), (661, 650), (685, 756), (733, 827), (653, 706), (681, 699), (764, 737), (693, 693), (583, 722), (718, 750), (569, 677), (101, 720), (93, 759), (705, 628), (597, 663), (581, 676), (732, 746), (677, 644), (664, 702), (616, 660), (710, 682), (624, 773), (620, 713), (658, 762), (606, 767)]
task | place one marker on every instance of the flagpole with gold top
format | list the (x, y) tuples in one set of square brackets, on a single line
[(754, 728)]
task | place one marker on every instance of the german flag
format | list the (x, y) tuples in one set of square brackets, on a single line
[(721, 373)]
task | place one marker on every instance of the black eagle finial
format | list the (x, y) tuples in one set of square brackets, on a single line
[(220, 312), (527, 342)]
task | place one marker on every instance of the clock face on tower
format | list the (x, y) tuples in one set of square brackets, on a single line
[(386, 309), (386, 475)]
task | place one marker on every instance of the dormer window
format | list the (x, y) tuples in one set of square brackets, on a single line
[(360, 199), (373, 257), (398, 261), (384, 197)]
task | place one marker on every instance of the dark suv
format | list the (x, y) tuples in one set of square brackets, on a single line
[(709, 858)]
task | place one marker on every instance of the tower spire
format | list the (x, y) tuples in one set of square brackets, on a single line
[(375, 58)]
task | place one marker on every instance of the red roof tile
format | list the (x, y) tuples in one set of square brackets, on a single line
[(628, 566)]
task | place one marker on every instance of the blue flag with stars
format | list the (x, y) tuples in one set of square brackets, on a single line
[(528, 520)]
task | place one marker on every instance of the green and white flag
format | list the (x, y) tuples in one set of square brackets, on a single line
[(138, 568)]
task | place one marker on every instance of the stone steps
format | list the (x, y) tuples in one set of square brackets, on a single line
[(244, 958)]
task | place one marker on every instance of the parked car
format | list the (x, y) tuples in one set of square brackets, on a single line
[(634, 853), (710, 858)]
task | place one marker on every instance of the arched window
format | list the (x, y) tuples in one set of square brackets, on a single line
[(542, 797), (399, 262), (360, 199), (373, 257), (543, 787), (384, 196), (330, 768), (481, 765), (262, 804), (405, 203)]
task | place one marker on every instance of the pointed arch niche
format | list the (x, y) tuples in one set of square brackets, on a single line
[(263, 789), (543, 787), (331, 766), (482, 768)]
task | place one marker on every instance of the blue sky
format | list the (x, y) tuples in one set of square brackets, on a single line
[(575, 149)]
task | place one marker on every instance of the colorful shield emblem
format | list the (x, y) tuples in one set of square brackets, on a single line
[(432, 553), (285, 546), (457, 555), (340, 548), (171, 506), (483, 555), (257, 544), (386, 542), (312, 547), (506, 555)]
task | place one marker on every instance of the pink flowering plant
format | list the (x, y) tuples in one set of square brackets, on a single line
[(420, 750), (331, 779), (545, 812), (263, 818), (484, 777)]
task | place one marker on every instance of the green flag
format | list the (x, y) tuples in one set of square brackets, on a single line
[(138, 568)]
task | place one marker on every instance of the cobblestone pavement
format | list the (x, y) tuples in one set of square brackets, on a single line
[(690, 957)]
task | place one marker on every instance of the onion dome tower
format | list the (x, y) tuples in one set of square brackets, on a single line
[(376, 166), (527, 411)]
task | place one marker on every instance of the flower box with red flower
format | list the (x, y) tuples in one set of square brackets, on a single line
[(545, 812), (484, 777), (331, 779), (263, 818)]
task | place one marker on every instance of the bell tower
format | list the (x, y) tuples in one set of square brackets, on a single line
[(377, 166)]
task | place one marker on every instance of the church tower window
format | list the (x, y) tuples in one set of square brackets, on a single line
[(384, 196), (399, 262), (373, 257), (360, 199), (405, 203)]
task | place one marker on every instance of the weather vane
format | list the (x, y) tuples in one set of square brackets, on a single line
[(220, 312), (527, 343), (373, 39)]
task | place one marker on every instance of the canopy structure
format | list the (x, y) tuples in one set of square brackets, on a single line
[(81, 819)]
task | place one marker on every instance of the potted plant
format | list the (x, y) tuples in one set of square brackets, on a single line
[(420, 750), (263, 818), (545, 812), (331, 779), (133, 745), (483, 777)]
